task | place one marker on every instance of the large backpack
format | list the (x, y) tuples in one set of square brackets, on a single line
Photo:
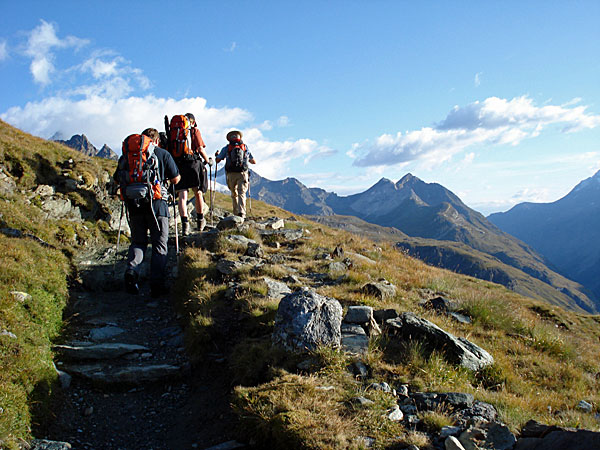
[(180, 145), (138, 172), (236, 160)]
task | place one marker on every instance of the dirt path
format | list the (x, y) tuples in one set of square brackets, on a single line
[(148, 397)]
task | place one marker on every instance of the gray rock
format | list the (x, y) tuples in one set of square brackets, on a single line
[(43, 444), (255, 250), (99, 351), (8, 333), (403, 390), (395, 414), (306, 320), (381, 289), (64, 379), (457, 400), (44, 190), (483, 412), (230, 222), (585, 406), (125, 375), (239, 239), (457, 350), (21, 297), (358, 258), (562, 439), (361, 401), (7, 184), (337, 267), (228, 267), (536, 429), (461, 318), (101, 334), (351, 328), (359, 314), (355, 344), (439, 304), (276, 289), (382, 315), (499, 437), (359, 369), (274, 223), (409, 409), (285, 234), (426, 401), (383, 386), (450, 431), (451, 443)]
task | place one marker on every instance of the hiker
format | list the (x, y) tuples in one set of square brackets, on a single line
[(148, 213), (236, 156), (193, 175)]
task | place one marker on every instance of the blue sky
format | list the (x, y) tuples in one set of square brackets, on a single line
[(497, 101)]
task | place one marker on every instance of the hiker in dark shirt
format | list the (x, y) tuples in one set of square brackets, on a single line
[(154, 217), (193, 175)]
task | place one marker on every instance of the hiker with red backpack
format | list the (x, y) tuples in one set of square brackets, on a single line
[(187, 148), (236, 156), (142, 172)]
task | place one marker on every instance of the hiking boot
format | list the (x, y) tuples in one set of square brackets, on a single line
[(201, 223), (158, 290), (185, 227), (131, 285)]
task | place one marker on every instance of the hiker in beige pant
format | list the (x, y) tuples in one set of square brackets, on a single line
[(236, 156)]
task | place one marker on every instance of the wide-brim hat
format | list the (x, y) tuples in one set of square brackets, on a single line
[(231, 133)]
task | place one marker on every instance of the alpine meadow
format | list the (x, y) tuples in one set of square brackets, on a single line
[(300, 225)]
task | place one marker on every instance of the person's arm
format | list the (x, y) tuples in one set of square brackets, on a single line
[(220, 156), (251, 159), (203, 154), (176, 179)]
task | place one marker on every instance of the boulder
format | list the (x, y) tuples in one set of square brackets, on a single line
[(44, 444), (492, 436), (360, 259), (239, 239), (337, 267), (230, 222), (228, 267), (276, 289), (255, 250), (101, 334), (357, 344), (480, 411), (561, 440), (457, 350), (382, 289), (7, 184), (306, 320), (382, 315), (359, 314)]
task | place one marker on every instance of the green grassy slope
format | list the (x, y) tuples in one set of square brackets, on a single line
[(27, 376)]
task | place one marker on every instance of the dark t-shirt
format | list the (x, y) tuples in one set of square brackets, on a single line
[(167, 170)]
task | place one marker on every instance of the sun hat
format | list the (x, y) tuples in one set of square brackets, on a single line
[(231, 133)]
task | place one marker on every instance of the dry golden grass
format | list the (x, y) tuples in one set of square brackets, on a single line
[(546, 358)]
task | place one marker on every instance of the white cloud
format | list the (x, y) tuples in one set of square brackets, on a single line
[(283, 121), (232, 47), (491, 122), (40, 45), (3, 50), (477, 80)]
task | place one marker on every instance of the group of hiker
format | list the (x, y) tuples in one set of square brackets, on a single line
[(155, 165)]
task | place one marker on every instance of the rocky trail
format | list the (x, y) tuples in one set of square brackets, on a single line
[(127, 381)]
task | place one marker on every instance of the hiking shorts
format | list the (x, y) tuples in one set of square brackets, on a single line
[(193, 175)]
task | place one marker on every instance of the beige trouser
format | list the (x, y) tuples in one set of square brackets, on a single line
[(238, 185)]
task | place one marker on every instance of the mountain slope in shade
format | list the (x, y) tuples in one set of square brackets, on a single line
[(422, 210), (107, 153), (566, 232)]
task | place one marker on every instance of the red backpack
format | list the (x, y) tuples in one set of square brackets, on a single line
[(138, 172), (179, 137)]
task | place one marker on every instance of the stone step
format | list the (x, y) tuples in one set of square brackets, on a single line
[(131, 374), (99, 351)]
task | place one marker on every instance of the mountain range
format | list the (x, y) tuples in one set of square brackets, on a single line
[(566, 232), (82, 144), (440, 220)]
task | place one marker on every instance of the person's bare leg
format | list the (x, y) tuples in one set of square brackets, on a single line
[(182, 202)]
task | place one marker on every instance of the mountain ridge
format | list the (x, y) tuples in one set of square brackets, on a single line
[(81, 143)]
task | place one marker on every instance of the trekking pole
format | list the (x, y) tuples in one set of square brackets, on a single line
[(214, 186), (210, 196), (249, 193), (175, 220), (118, 237)]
